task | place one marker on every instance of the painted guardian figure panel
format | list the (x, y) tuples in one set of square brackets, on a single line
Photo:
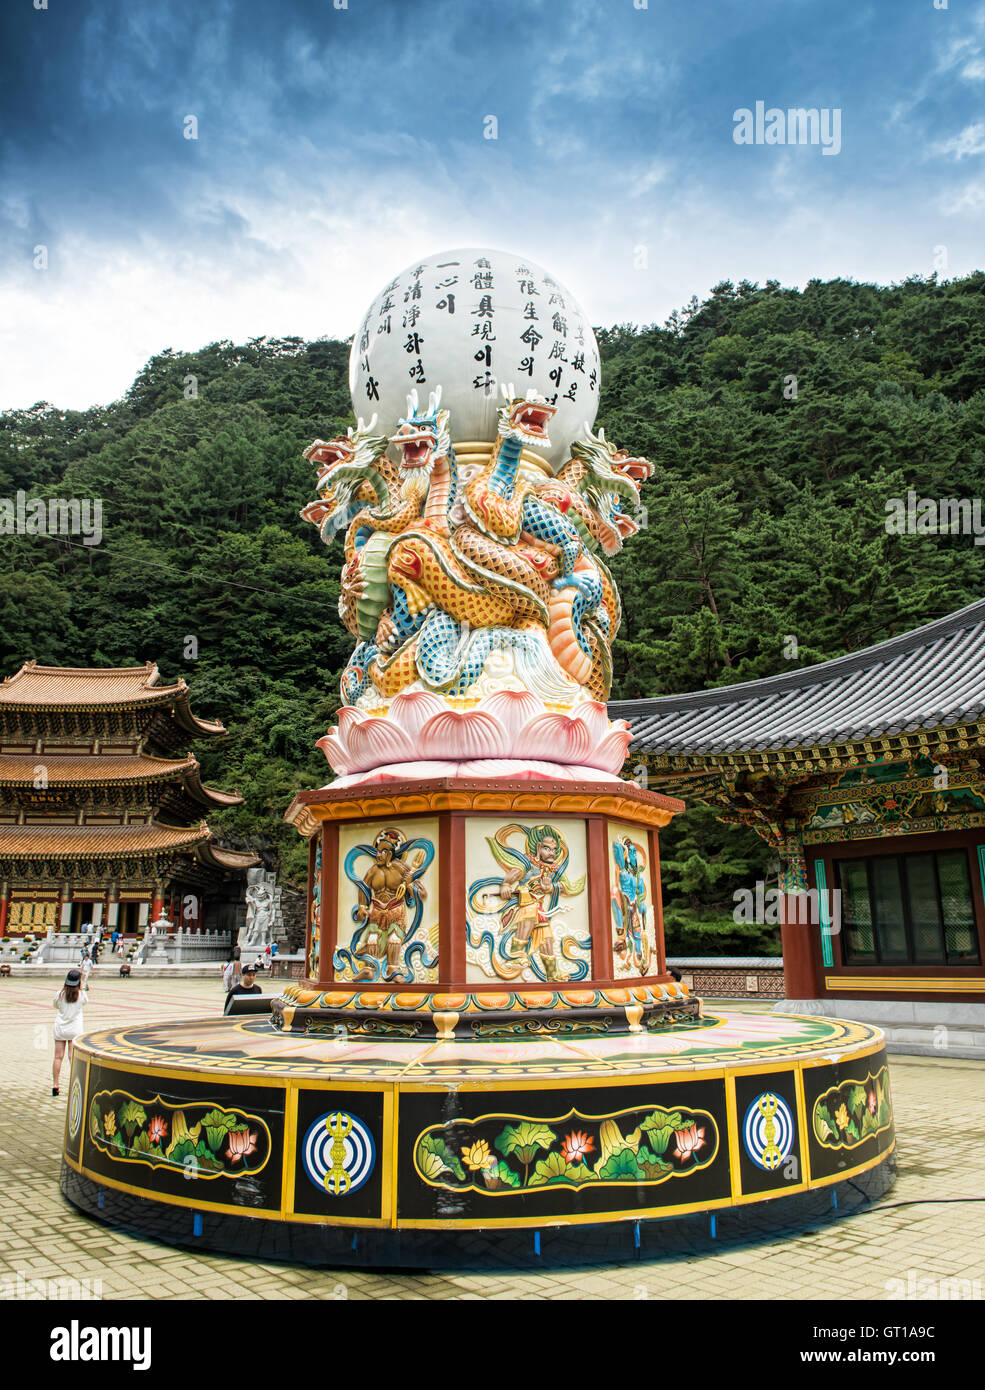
[(314, 915), (527, 908), (388, 904), (634, 939)]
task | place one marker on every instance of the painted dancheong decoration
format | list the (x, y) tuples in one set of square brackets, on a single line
[(476, 528), (387, 905), (634, 946), (527, 921), (849, 1114), (504, 1154), (198, 1139), (314, 915)]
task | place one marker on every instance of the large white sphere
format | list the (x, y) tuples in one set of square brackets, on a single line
[(467, 320)]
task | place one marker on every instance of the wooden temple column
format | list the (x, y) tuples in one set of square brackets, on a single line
[(801, 978), (4, 907)]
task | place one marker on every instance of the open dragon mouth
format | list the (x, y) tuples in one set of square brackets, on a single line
[(533, 418), (416, 446), (329, 453), (638, 469)]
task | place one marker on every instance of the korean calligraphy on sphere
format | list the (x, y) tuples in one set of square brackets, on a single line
[(468, 320)]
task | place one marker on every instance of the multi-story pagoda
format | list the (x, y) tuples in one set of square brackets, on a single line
[(101, 807)]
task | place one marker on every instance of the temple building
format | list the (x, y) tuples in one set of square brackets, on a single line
[(101, 808), (866, 775)]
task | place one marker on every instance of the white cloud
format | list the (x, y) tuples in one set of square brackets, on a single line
[(970, 141)]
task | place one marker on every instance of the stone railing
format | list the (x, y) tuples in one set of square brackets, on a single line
[(185, 947), (731, 977)]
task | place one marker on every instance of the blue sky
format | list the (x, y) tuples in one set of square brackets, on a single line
[(336, 145)]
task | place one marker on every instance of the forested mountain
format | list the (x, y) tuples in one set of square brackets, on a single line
[(781, 421)]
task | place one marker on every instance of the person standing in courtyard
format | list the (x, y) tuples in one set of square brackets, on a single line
[(69, 1002), (248, 982), (85, 970)]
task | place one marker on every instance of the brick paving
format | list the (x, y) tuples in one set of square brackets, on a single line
[(940, 1120)]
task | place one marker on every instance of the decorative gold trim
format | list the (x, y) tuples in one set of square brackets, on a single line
[(516, 798), (907, 984)]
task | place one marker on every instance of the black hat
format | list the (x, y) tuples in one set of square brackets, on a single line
[(74, 977), (248, 970)]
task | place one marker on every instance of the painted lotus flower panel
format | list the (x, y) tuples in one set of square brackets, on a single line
[(849, 1114), (200, 1140), (500, 1154)]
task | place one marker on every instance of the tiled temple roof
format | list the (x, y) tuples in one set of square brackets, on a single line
[(66, 769), (67, 687), (83, 840), (928, 679), (106, 841)]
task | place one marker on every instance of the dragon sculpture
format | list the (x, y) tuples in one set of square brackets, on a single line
[(463, 581)]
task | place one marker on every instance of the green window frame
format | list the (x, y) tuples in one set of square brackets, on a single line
[(908, 909)]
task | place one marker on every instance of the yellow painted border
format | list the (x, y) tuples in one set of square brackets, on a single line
[(390, 1090), (641, 1213), (394, 1154), (731, 1120), (905, 984), (290, 1150), (805, 1146), (72, 1163)]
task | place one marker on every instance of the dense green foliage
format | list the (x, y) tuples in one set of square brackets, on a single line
[(765, 523)]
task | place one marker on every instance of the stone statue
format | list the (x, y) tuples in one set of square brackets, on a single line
[(261, 902)]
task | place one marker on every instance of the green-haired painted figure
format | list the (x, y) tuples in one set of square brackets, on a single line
[(532, 885)]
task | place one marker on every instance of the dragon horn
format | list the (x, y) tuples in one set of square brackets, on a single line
[(505, 390), (434, 400), (412, 402)]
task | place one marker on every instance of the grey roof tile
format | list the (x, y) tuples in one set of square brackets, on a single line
[(933, 676)]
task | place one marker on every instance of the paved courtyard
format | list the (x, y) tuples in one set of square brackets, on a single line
[(907, 1246)]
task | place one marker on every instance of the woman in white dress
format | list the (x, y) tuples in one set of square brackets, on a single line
[(69, 1002)]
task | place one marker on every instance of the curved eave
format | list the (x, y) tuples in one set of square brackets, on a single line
[(208, 796), (925, 685), (77, 689), (230, 859), (97, 841), (19, 770)]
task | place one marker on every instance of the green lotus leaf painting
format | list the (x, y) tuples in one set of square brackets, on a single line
[(639, 1147)]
